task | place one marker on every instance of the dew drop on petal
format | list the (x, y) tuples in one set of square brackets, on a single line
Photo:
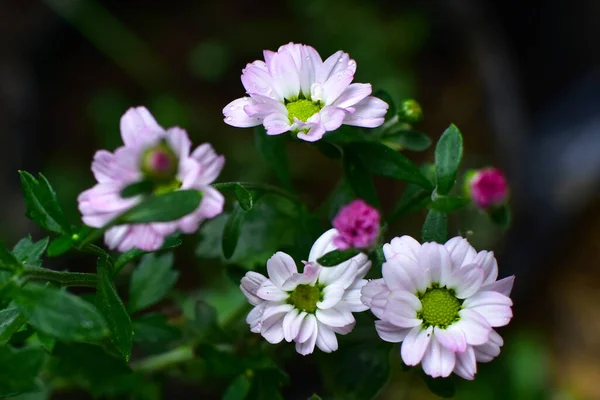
[(229, 119)]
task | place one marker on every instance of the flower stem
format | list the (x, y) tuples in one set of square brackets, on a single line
[(256, 186), (61, 278), (165, 360)]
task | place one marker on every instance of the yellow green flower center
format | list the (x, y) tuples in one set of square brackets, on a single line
[(306, 297), (302, 109), (439, 307)]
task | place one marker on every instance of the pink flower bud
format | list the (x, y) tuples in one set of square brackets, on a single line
[(357, 224), (160, 163), (487, 187)]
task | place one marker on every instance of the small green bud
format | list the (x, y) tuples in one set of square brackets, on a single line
[(411, 111)]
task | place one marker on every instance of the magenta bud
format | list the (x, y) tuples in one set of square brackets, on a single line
[(487, 187), (357, 224), (160, 163)]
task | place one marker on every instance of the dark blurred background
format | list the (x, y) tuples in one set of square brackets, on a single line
[(521, 79)]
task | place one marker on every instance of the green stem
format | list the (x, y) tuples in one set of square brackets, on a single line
[(162, 361), (256, 186), (61, 278)]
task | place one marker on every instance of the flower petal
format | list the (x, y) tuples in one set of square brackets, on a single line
[(435, 261), (336, 84), (475, 327), (323, 245), (402, 272), (373, 288), (390, 332), (332, 117), (398, 307), (368, 113), (277, 123), (354, 93), (466, 280), (236, 116), (341, 276), (326, 339), (493, 306), (254, 318), (286, 80), (438, 361), (489, 350), (210, 163), (139, 128), (404, 245), (451, 337), (351, 298), (250, 284), (489, 265), (308, 346), (272, 328), (332, 295), (415, 344), (257, 80), (269, 291), (461, 251), (308, 328), (503, 286), (466, 367), (292, 323), (280, 267), (315, 133), (335, 317)]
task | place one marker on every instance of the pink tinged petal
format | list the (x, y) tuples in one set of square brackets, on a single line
[(438, 360), (352, 296), (489, 350), (310, 61), (489, 265), (402, 272), (314, 134), (326, 339), (390, 332), (254, 318), (120, 167), (336, 316), (269, 291), (276, 310), (250, 284), (334, 64), (286, 80), (236, 116), (263, 106), (308, 277), (257, 80), (308, 346), (280, 267), (342, 276), (503, 286), (343, 330), (272, 328), (189, 172), (368, 113), (465, 281), (466, 367), (434, 260), (212, 203), (354, 93), (475, 327), (210, 163), (307, 329), (332, 117), (115, 235), (399, 307), (141, 236), (371, 289), (292, 323), (332, 295), (179, 141), (268, 56), (494, 306), (461, 252), (139, 128), (404, 245), (415, 344), (323, 245), (363, 265), (277, 123), (452, 337), (336, 84)]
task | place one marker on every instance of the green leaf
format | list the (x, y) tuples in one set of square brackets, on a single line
[(435, 227), (244, 197), (151, 281), (273, 151), (170, 242), (267, 384), (500, 215), (59, 246), (19, 370), (30, 253), (315, 397), (153, 332), (8, 260), (163, 208), (137, 188), (110, 305), (413, 199), (360, 179), (347, 134), (448, 154), (381, 160), (239, 388), (336, 257), (11, 320), (448, 203), (231, 231), (442, 387), (205, 319), (60, 314), (407, 139), (42, 205)]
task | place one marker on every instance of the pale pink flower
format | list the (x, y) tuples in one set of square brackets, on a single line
[(158, 154), (294, 90), (358, 225), (308, 308), (442, 302), (488, 187)]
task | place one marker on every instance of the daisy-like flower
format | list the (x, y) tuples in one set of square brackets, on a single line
[(442, 302), (159, 156), (294, 90), (308, 308)]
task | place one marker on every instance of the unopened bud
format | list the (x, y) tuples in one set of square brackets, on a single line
[(411, 111), (486, 187), (160, 163)]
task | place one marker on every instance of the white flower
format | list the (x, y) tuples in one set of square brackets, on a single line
[(442, 302), (310, 307)]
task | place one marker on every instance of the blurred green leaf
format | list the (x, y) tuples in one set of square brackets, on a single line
[(137, 188), (267, 384), (413, 199), (347, 134), (60, 314), (501, 216), (210, 60), (359, 178), (11, 320), (442, 387), (336, 257), (407, 139), (448, 203), (111, 306), (8, 260), (163, 208), (244, 197), (151, 281), (381, 160), (30, 253), (19, 370), (315, 397), (448, 154), (435, 227), (59, 245), (170, 242), (273, 151), (239, 388), (205, 319), (232, 230), (154, 333)]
